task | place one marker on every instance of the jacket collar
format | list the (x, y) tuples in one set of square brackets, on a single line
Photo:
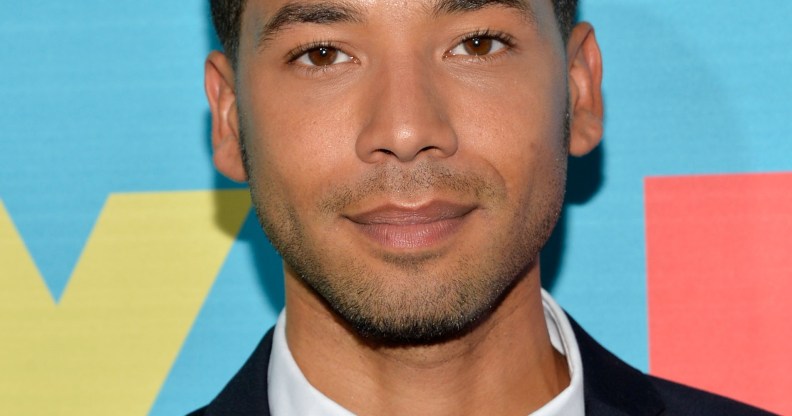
[(611, 386), (246, 393)]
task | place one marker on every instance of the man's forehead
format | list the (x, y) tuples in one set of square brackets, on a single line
[(271, 16), (430, 6)]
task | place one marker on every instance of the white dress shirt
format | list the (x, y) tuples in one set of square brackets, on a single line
[(290, 393)]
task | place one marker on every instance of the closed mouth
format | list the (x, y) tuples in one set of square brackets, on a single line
[(411, 227)]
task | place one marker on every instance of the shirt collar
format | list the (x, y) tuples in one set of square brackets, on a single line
[(290, 393), (570, 401)]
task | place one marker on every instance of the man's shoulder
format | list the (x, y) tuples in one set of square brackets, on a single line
[(682, 399), (246, 393), (198, 412), (613, 387)]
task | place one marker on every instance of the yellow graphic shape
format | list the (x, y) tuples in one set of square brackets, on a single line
[(109, 344)]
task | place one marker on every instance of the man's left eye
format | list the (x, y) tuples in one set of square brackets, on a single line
[(478, 46), (323, 56)]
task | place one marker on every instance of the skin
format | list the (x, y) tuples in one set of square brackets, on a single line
[(411, 120)]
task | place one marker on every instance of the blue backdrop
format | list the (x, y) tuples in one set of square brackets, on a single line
[(106, 97)]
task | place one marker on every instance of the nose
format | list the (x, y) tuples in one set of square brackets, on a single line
[(408, 117)]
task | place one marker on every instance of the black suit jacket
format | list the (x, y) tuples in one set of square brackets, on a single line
[(611, 388)]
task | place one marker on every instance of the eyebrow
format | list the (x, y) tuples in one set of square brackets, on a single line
[(462, 6), (336, 11), (296, 12)]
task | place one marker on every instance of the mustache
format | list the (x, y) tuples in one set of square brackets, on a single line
[(422, 178)]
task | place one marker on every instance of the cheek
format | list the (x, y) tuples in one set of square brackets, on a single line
[(296, 142), (519, 129)]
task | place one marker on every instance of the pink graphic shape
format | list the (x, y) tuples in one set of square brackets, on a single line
[(719, 253)]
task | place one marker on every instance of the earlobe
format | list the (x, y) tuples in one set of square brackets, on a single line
[(219, 83), (585, 90)]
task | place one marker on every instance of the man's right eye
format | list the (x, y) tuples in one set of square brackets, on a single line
[(320, 56)]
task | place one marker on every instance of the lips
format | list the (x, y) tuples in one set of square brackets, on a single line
[(407, 227)]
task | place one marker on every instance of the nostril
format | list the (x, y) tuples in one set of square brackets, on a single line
[(407, 155), (427, 148)]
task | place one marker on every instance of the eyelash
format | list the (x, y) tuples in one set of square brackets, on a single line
[(304, 48), (502, 37)]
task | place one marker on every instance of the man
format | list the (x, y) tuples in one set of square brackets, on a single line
[(408, 161)]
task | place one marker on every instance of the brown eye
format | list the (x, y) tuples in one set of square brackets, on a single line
[(478, 46), (323, 56)]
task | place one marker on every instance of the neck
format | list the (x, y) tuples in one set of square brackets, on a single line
[(506, 365)]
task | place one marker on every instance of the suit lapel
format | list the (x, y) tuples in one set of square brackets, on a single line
[(246, 394), (610, 385)]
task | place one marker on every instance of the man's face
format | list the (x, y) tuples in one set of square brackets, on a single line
[(406, 158)]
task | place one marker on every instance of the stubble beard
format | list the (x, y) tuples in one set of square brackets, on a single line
[(414, 303)]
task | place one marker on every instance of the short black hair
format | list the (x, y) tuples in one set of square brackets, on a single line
[(227, 19)]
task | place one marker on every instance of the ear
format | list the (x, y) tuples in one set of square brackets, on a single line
[(219, 83), (585, 90)]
